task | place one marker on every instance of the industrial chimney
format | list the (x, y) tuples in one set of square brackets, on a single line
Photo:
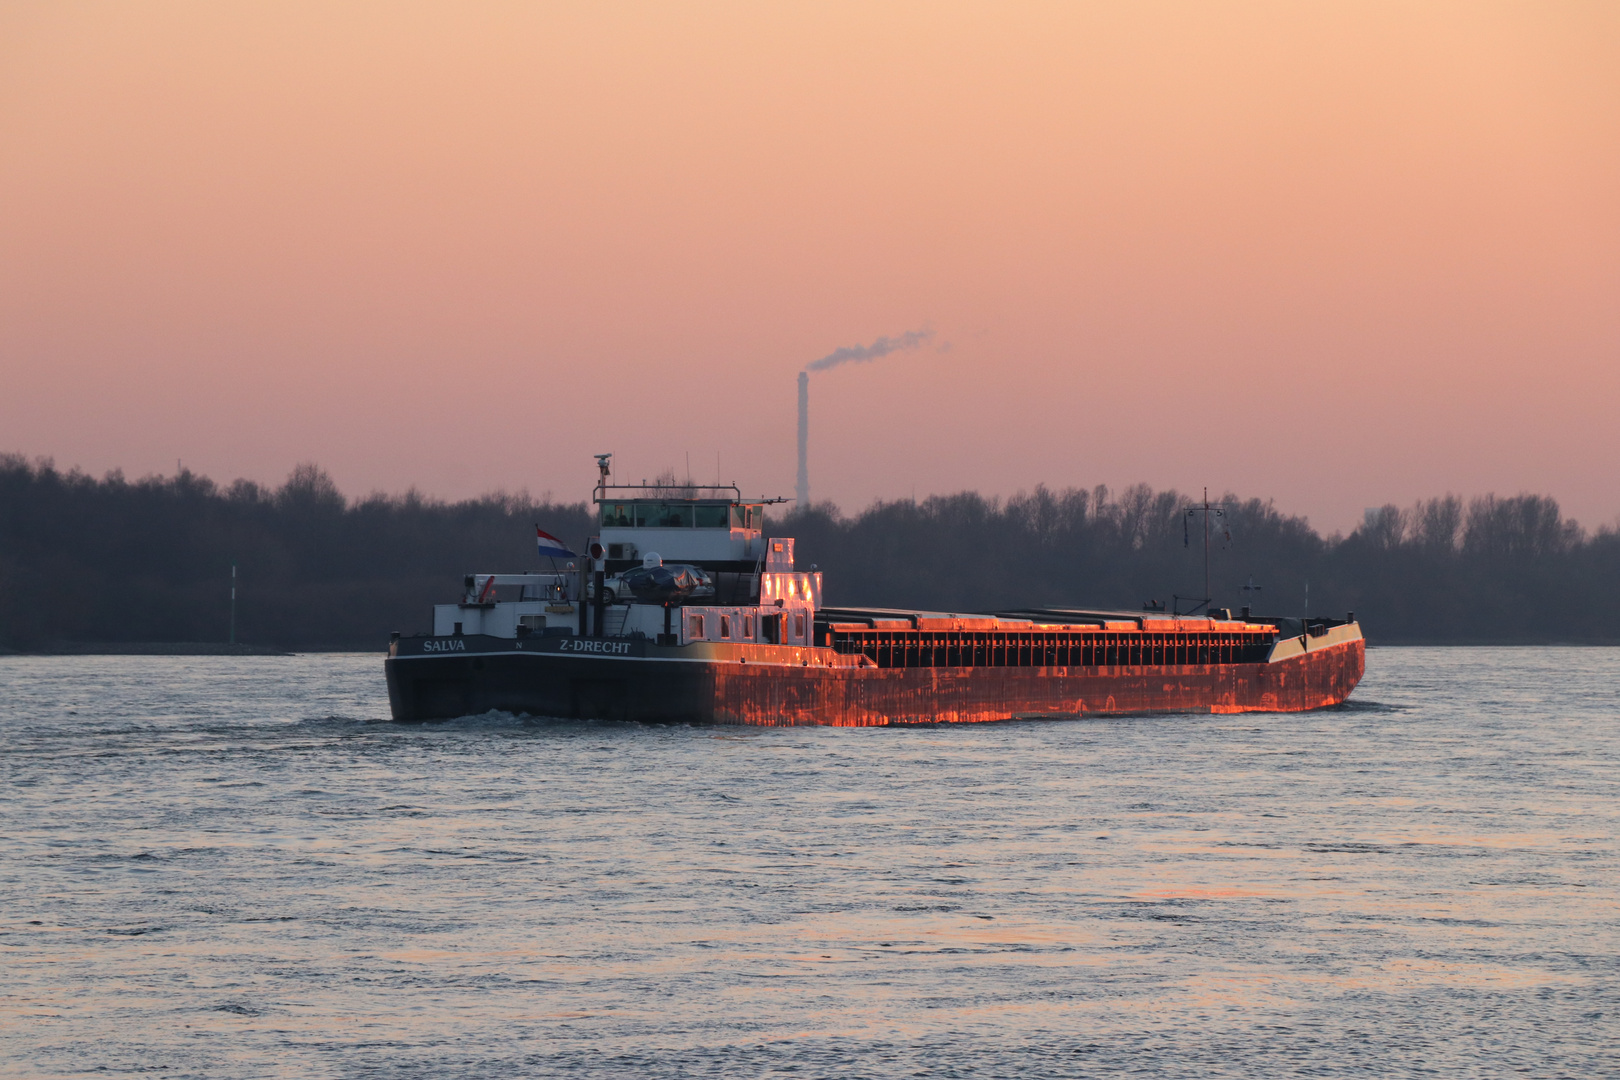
[(801, 489)]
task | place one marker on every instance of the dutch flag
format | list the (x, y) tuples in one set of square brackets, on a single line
[(550, 545)]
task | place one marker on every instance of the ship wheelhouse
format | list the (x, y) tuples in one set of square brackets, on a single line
[(750, 591), (711, 527)]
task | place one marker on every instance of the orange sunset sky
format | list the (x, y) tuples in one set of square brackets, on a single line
[(1338, 254)]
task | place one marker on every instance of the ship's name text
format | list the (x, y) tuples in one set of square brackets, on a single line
[(447, 645), (616, 648)]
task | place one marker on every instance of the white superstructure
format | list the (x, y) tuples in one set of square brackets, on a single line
[(754, 592)]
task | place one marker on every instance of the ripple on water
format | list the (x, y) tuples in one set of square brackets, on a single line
[(235, 867)]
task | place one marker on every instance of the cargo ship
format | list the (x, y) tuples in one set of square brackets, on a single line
[(683, 609)]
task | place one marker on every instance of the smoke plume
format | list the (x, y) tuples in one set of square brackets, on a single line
[(883, 346)]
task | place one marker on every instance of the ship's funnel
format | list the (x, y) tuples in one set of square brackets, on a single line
[(801, 487)]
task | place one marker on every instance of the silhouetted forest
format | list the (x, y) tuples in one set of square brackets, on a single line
[(1490, 569), (111, 560), (116, 561)]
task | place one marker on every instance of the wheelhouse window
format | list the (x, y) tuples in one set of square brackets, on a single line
[(651, 515), (658, 514), (711, 516)]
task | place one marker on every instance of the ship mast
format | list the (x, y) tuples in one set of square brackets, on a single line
[(1210, 510), (1207, 597)]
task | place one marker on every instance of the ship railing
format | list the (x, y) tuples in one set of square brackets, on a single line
[(553, 588)]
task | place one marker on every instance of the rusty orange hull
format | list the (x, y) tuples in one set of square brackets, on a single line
[(776, 686), (877, 696)]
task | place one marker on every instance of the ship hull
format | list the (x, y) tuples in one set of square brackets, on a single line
[(777, 686)]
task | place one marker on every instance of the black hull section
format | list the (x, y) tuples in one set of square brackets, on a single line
[(536, 684)]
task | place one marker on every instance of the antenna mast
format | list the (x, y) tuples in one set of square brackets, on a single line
[(1210, 510), (1207, 596)]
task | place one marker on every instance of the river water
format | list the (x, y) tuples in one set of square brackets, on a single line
[(237, 867)]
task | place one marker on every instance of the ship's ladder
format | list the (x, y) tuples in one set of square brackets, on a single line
[(614, 620)]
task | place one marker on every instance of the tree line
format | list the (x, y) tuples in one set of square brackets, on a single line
[(118, 561), (111, 560), (1487, 570)]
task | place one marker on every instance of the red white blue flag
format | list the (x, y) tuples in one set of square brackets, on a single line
[(550, 545)]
